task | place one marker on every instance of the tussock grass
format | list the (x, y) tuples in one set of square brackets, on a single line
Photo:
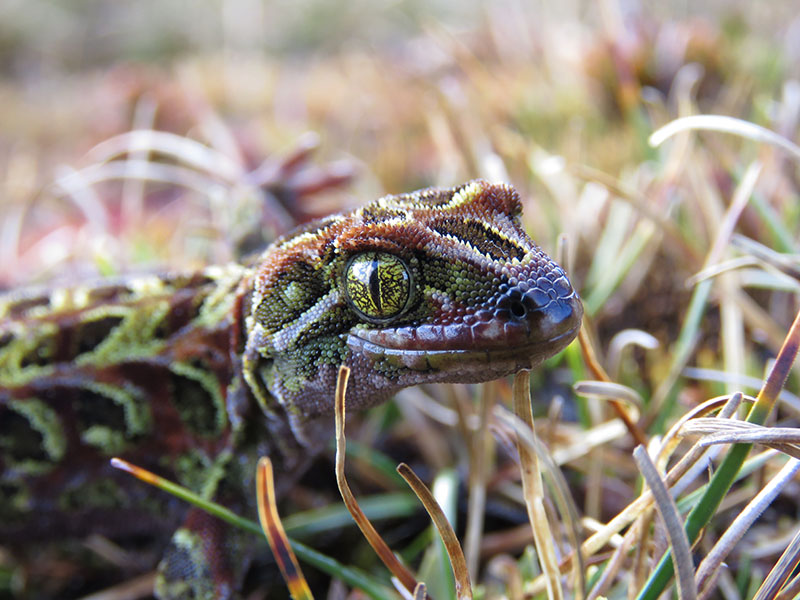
[(685, 254)]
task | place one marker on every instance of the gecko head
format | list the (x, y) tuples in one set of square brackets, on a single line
[(440, 285)]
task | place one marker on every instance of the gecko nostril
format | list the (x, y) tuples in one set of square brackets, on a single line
[(518, 309)]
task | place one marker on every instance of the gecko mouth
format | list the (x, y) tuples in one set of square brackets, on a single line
[(476, 351)]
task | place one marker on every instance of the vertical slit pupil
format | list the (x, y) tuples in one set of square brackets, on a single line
[(375, 284)]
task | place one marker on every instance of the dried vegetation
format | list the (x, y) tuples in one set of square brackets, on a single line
[(686, 255)]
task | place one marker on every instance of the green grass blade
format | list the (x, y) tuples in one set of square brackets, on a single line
[(349, 575)]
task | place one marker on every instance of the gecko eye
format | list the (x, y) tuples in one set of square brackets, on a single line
[(377, 285)]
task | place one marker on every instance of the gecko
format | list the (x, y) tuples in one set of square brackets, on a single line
[(196, 375)]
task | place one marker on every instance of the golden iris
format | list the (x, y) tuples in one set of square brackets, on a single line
[(378, 285)]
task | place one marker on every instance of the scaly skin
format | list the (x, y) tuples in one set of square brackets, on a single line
[(196, 376)]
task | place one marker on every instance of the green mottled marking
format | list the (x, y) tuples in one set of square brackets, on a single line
[(286, 302), (21, 441), (133, 338), (184, 572), (93, 331), (197, 395), (218, 306), (110, 417), (108, 440), (200, 472), (138, 420), (23, 358)]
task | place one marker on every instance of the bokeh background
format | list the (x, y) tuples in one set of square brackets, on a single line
[(557, 98)]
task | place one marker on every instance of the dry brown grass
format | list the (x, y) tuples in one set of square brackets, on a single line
[(685, 254)]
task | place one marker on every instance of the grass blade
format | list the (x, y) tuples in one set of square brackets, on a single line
[(534, 490), (349, 575), (724, 124), (278, 542), (457, 560), (380, 547), (711, 565), (724, 477), (681, 556)]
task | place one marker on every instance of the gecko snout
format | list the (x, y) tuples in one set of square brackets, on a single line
[(561, 318), (550, 311)]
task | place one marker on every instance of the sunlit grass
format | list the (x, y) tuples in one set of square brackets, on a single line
[(685, 255)]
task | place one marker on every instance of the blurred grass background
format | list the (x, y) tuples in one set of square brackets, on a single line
[(347, 69), (557, 98), (416, 93)]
